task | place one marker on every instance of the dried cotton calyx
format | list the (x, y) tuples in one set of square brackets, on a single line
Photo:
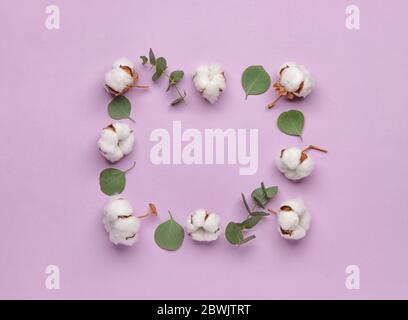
[(121, 77), (116, 141), (203, 226), (209, 80), (293, 220), (294, 81), (294, 163)]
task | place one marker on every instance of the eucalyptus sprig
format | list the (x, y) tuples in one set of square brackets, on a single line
[(160, 66), (235, 231), (113, 181)]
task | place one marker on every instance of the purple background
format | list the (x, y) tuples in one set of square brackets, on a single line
[(53, 107)]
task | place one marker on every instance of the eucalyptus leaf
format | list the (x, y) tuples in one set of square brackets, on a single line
[(251, 222), (291, 122), (248, 239), (262, 195), (169, 235), (259, 214), (152, 58), (245, 203), (177, 101), (176, 76), (233, 233), (144, 59), (119, 108), (112, 181), (255, 80), (161, 66)]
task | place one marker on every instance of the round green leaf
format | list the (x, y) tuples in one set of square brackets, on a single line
[(119, 108), (169, 235), (255, 80), (176, 76), (112, 181), (233, 233), (291, 122)]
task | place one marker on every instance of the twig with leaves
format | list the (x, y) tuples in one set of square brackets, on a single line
[(160, 66), (234, 232)]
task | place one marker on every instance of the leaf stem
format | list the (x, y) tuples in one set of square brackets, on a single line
[(171, 216), (152, 211), (140, 87), (272, 104), (312, 147), (272, 211), (134, 165)]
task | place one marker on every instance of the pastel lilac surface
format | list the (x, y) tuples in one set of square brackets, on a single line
[(53, 107)]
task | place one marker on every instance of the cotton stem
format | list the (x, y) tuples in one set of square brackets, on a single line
[(272, 104), (311, 147)]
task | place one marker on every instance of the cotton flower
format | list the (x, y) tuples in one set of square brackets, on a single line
[(294, 163), (121, 77), (209, 80), (203, 225), (294, 81), (293, 220), (119, 222), (116, 141)]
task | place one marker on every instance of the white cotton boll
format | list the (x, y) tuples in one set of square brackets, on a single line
[(116, 141), (291, 157), (118, 79), (122, 130), (296, 205), (203, 226), (123, 62), (296, 79), (211, 236), (128, 241), (305, 220), (126, 145), (117, 206), (292, 78), (199, 217), (294, 163), (308, 83), (198, 235), (125, 227), (209, 81), (114, 156), (211, 224), (297, 234), (305, 168), (288, 220), (190, 226), (108, 140)]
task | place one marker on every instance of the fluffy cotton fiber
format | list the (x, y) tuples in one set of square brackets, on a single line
[(119, 221), (296, 79), (116, 141), (121, 77), (293, 220), (203, 226), (294, 163), (209, 80)]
